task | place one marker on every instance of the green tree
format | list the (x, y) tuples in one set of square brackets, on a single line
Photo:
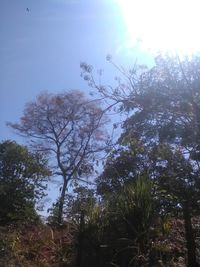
[(164, 108), (127, 223), (70, 129), (167, 119), (22, 177), (128, 160)]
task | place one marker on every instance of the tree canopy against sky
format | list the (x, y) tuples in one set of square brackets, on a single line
[(23, 178), (37, 49), (70, 129), (161, 136)]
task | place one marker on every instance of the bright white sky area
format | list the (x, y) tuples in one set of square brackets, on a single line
[(166, 25), (44, 41)]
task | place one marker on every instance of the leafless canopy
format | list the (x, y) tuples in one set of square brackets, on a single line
[(69, 128)]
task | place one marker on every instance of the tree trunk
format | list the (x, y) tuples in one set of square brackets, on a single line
[(80, 239), (61, 201), (190, 240)]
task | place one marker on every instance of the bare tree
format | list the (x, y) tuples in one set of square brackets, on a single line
[(69, 128)]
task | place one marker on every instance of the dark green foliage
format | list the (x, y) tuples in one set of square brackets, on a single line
[(120, 230), (22, 174), (167, 121), (123, 165), (164, 120)]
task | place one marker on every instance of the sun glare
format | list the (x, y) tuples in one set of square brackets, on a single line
[(162, 25)]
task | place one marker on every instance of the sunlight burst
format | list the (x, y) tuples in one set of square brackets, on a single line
[(162, 25)]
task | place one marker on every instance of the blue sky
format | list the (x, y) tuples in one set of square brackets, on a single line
[(42, 49)]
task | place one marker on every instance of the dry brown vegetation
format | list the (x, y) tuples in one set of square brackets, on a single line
[(44, 246)]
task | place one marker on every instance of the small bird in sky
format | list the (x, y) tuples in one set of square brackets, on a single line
[(27, 9)]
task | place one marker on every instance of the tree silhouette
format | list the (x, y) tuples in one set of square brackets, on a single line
[(69, 128)]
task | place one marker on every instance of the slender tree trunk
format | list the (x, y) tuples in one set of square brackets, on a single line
[(190, 240), (80, 239), (61, 201)]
